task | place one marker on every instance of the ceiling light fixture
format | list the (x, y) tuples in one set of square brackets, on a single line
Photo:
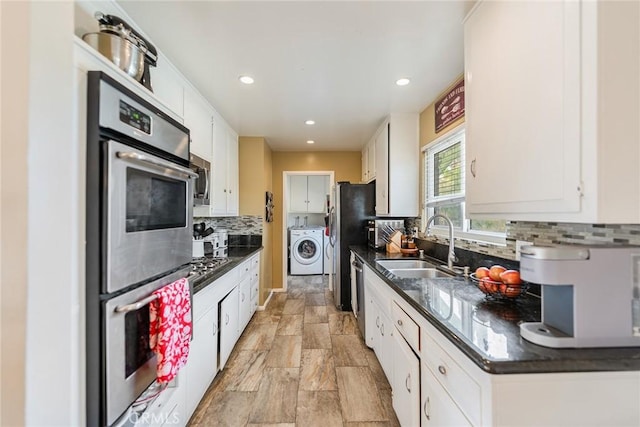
[(403, 81), (311, 141), (309, 122), (248, 80)]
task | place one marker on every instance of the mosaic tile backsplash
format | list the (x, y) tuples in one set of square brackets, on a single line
[(553, 232), (243, 224)]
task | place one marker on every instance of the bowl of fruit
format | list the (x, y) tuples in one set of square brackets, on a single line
[(499, 283)]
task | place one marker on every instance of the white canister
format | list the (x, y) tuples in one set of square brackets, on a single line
[(198, 248), (223, 236)]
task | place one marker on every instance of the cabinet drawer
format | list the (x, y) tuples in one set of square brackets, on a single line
[(407, 327), (462, 387)]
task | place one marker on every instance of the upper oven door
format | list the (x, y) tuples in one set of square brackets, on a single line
[(149, 216)]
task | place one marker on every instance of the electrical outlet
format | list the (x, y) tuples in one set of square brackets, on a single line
[(519, 245)]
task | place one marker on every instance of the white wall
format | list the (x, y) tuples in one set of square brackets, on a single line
[(41, 225)]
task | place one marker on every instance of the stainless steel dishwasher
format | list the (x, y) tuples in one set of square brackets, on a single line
[(357, 290)]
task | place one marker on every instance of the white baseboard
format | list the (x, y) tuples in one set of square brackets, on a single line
[(266, 302)]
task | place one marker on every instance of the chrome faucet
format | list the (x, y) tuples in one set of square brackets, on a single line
[(452, 253)]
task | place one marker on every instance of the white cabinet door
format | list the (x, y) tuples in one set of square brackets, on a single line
[(297, 193), (228, 325), (244, 307), (371, 318), (317, 193), (406, 383), (198, 118), (365, 163), (202, 365), (387, 343), (438, 409), (371, 160), (232, 173), (168, 85), (523, 107), (219, 168), (382, 170)]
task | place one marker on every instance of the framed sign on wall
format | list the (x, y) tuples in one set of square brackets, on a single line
[(450, 107)]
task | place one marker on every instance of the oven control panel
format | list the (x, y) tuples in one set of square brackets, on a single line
[(135, 118)]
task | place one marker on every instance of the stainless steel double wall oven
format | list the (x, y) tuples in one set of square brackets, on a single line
[(139, 196)]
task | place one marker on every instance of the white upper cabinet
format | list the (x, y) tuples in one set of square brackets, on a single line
[(198, 117), (168, 85), (308, 193), (224, 165), (397, 161), (369, 161), (552, 111)]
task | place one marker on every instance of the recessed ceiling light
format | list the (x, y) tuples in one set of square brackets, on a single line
[(309, 122), (248, 80), (403, 81), (311, 141)]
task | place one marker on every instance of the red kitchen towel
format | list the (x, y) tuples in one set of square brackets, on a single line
[(170, 328)]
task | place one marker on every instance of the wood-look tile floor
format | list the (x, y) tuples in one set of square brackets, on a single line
[(301, 362)]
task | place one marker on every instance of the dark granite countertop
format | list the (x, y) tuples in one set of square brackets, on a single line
[(236, 256), (488, 332)]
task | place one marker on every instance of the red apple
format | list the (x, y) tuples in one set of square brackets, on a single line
[(495, 271), (511, 277), (482, 272)]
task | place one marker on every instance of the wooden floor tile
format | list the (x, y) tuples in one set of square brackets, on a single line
[(317, 370), (290, 324), (359, 396), (244, 371), (316, 335), (293, 306), (276, 399), (348, 351), (272, 425), (376, 370), (368, 424), (259, 337), (315, 298), (315, 314), (285, 352), (230, 408), (318, 408), (343, 324), (264, 317), (387, 403)]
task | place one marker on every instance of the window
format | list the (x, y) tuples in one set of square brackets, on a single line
[(444, 174)]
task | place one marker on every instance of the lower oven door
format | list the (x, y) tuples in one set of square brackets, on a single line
[(149, 216), (129, 363)]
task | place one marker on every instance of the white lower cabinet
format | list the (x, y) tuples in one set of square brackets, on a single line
[(202, 363), (438, 409), (244, 308), (228, 325), (406, 383)]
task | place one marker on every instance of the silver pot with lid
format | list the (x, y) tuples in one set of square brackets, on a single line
[(124, 46)]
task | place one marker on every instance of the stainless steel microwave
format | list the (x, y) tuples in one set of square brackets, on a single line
[(201, 186)]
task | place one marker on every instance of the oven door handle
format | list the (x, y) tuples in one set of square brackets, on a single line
[(155, 162), (136, 305)]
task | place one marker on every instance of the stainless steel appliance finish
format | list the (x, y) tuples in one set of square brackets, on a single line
[(139, 195), (353, 205), (358, 301), (130, 363), (149, 216), (202, 168), (123, 53)]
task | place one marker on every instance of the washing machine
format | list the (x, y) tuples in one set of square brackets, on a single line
[(306, 250)]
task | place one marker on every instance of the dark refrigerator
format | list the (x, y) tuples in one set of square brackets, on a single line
[(353, 206)]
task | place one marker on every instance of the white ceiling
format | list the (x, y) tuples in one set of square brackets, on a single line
[(333, 62)]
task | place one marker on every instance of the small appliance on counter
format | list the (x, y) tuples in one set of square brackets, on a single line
[(378, 231), (590, 295), (220, 243)]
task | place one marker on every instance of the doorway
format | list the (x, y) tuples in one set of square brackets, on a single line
[(306, 196)]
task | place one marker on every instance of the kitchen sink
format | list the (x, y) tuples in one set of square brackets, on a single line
[(414, 269), (404, 264)]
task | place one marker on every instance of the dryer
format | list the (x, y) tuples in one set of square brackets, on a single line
[(306, 250)]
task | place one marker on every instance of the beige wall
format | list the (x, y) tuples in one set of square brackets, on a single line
[(255, 176), (428, 130), (14, 17), (346, 166)]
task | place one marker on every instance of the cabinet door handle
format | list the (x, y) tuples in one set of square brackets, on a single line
[(226, 317), (378, 322), (225, 190), (407, 383), (242, 296), (215, 328), (382, 329), (442, 369), (399, 322), (427, 408), (473, 167)]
